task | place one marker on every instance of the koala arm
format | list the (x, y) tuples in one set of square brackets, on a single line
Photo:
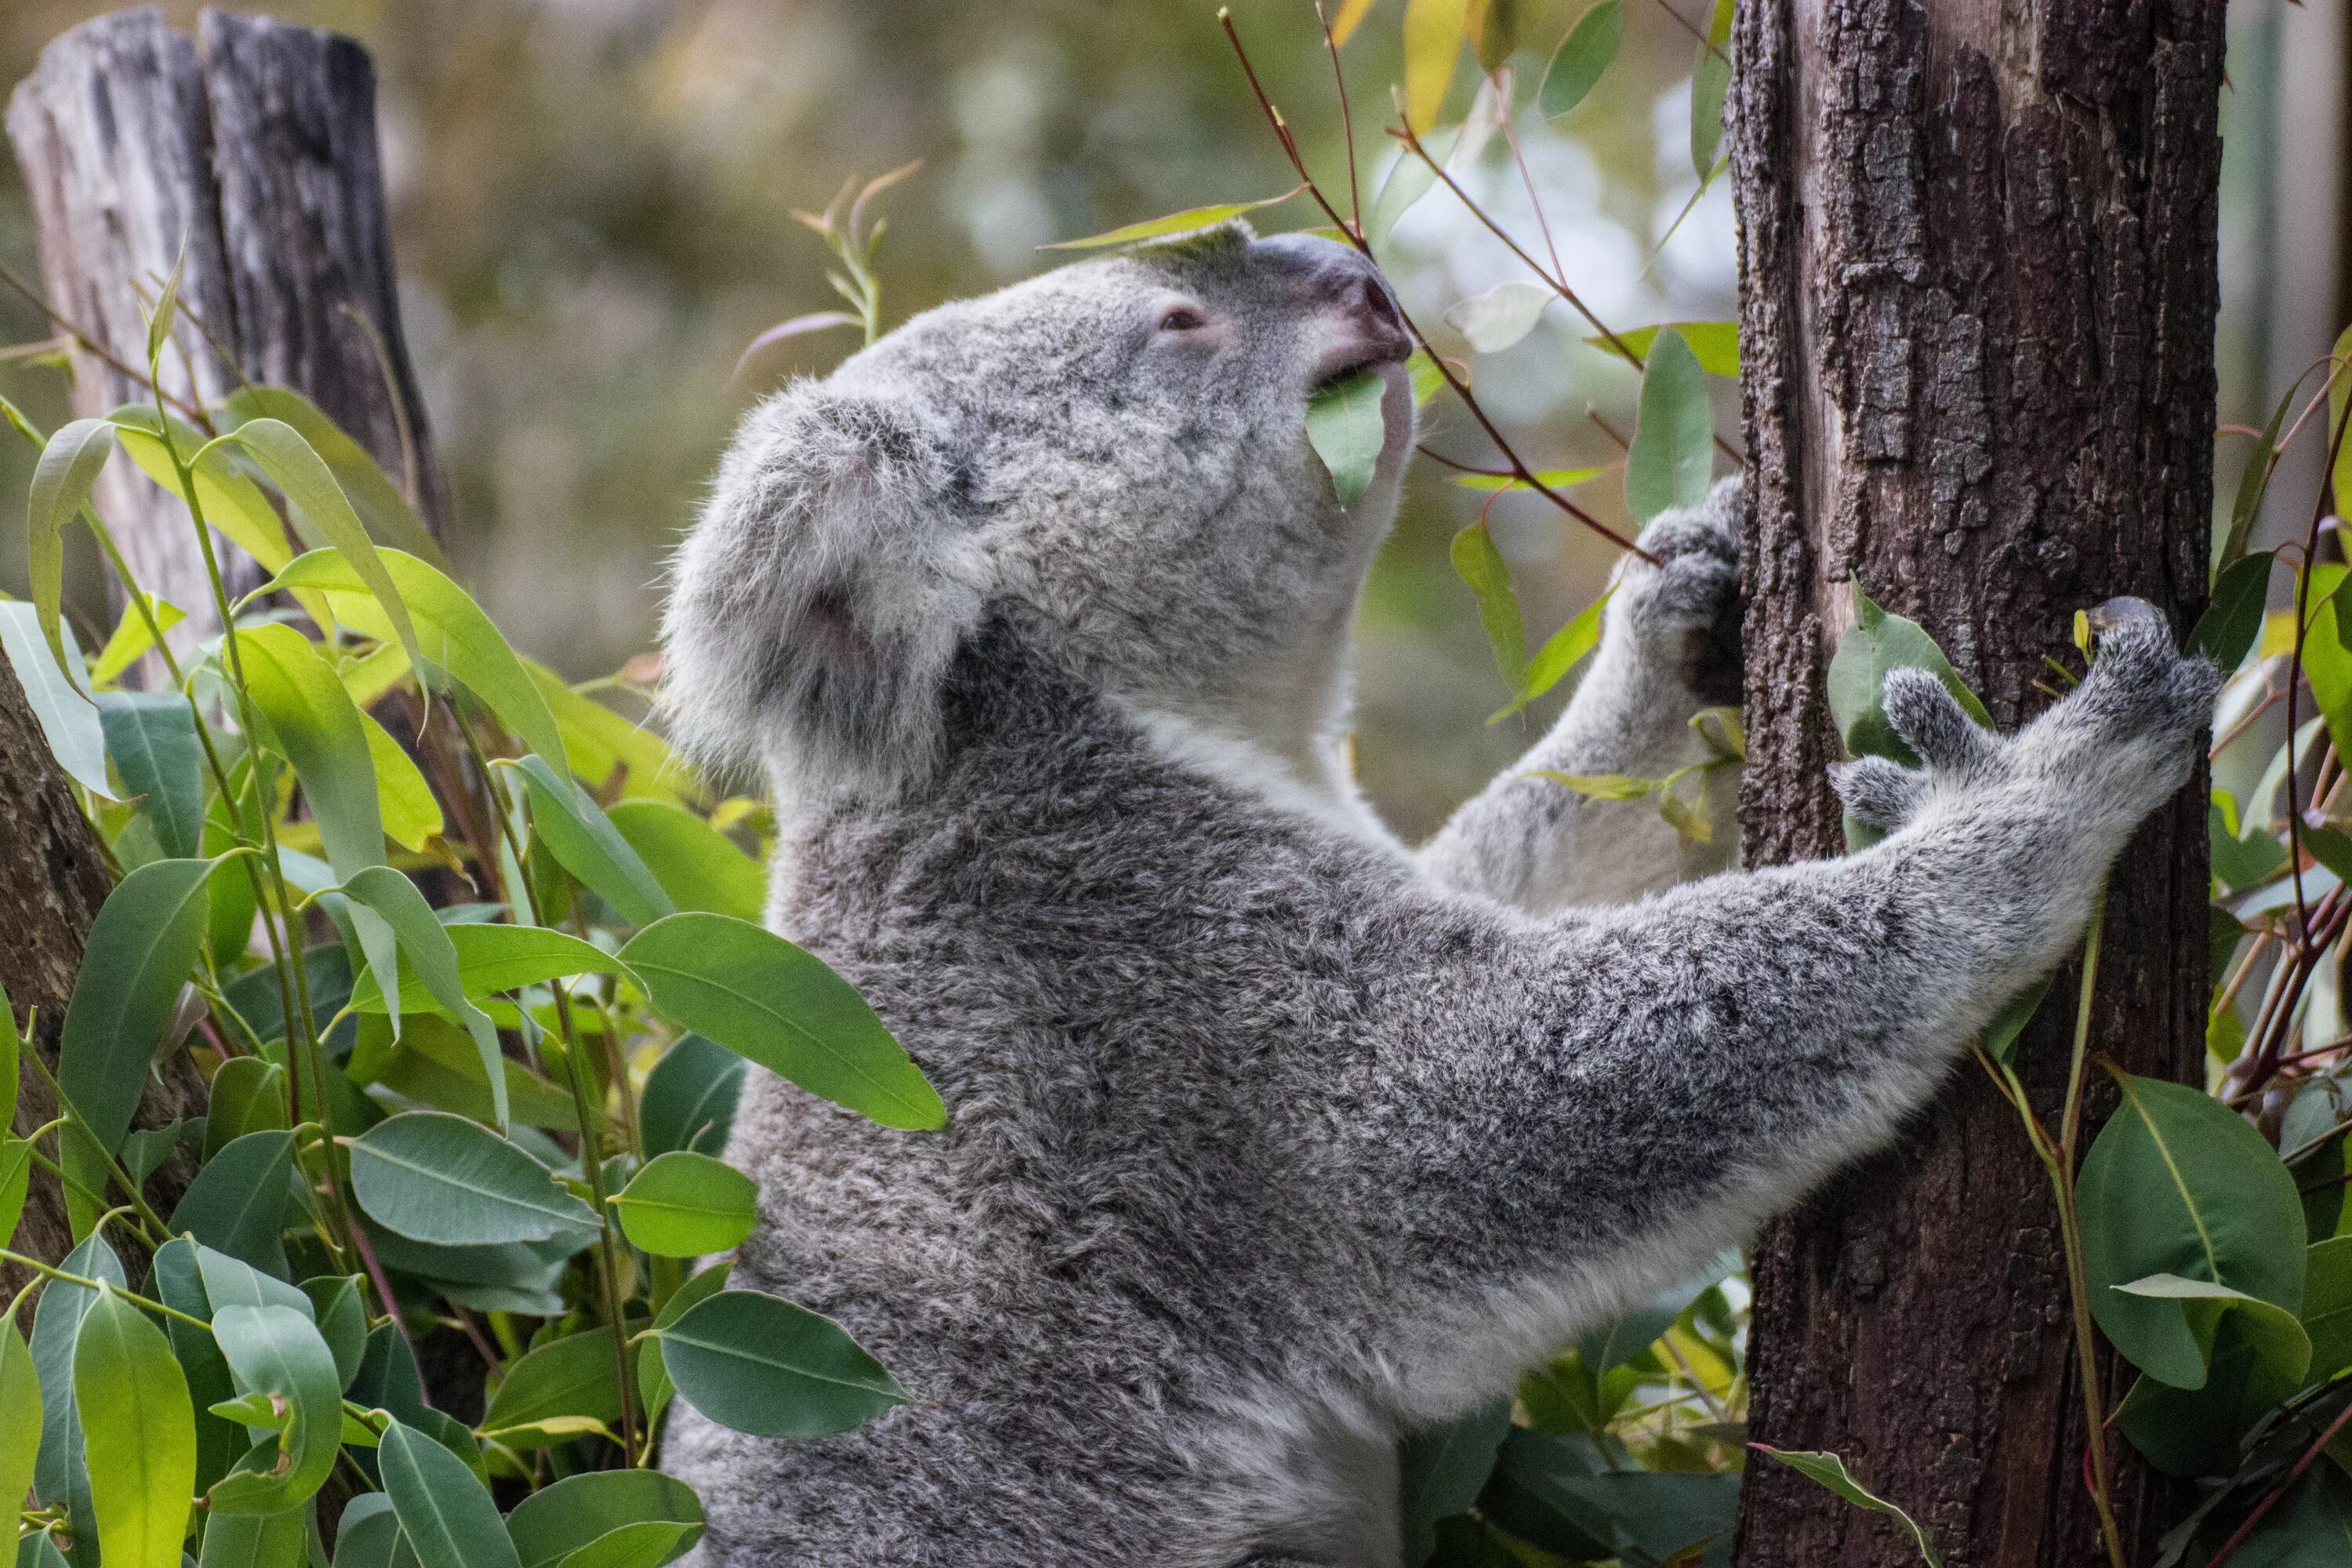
[(1609, 1099), (1669, 647)]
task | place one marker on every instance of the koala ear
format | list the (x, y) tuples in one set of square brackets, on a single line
[(815, 606)]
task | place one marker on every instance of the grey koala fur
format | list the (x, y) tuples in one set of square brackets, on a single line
[(1269, 1139)]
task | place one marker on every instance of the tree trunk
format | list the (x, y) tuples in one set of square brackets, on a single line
[(258, 154), (53, 881), (1978, 294)]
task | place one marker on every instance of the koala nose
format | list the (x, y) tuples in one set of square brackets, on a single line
[(1332, 275)]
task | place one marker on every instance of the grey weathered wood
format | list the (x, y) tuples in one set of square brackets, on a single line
[(258, 150), (1978, 294)]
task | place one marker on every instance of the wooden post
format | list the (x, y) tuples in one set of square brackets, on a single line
[(1978, 294), (254, 146)]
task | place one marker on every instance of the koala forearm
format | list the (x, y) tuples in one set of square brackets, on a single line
[(1538, 845), (1668, 648)]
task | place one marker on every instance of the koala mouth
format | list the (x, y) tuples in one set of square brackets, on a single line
[(1362, 357)]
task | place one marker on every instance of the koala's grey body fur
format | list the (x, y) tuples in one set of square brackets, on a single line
[(1269, 1139)]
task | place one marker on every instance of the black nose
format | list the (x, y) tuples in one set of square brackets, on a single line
[(1327, 272)]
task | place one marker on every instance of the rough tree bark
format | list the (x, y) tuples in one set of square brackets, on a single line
[(1977, 291), (254, 145), (53, 880)]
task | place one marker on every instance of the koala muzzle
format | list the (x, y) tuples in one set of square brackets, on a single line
[(1327, 275)]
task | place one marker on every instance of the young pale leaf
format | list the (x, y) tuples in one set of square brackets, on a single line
[(442, 1506), (454, 633), (277, 1353), (2177, 1183), (139, 1432), (412, 816), (609, 749), (573, 1376), (425, 942), (258, 1540), (620, 1519), (1673, 456), (1345, 427), (167, 311), (68, 466), (437, 1178), (232, 502), (1481, 567), (236, 1204), (20, 1414), (684, 1205), (494, 958), (1830, 1471), (689, 1098), (146, 938), (763, 998), (1562, 652), (58, 695), (1433, 31), (1715, 344), (1500, 317), (757, 1364), (310, 486), (152, 736), (1582, 56), (321, 732), (698, 865), (1189, 221), (1710, 79), (1442, 1469), (1550, 478), (388, 517), (2226, 629)]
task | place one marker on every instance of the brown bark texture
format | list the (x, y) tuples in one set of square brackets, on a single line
[(250, 151), (1978, 295), (52, 880)]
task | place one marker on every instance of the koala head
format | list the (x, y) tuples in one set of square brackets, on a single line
[(1116, 449)]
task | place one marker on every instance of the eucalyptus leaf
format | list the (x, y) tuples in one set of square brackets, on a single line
[(20, 1413), (1715, 344), (441, 1179), (1710, 79), (2177, 1183), (1189, 221), (684, 1205), (698, 865), (1442, 1469), (1672, 461), (278, 1352), (60, 1474), (1433, 34), (152, 736), (1482, 568), (138, 1431), (575, 829), (758, 1364), (1830, 1471), (236, 1204), (388, 517), (58, 695), (574, 1375), (442, 1506), (765, 999), (425, 943), (69, 466), (1500, 317), (656, 1519), (1583, 55), (258, 1540), (1345, 427), (2227, 630), (1562, 652), (690, 1097), (147, 937)]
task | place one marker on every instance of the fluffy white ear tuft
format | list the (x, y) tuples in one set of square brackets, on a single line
[(814, 607)]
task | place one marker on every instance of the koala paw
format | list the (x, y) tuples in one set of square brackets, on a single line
[(1685, 611), (2121, 742)]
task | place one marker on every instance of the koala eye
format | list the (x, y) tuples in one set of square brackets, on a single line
[(1181, 319)]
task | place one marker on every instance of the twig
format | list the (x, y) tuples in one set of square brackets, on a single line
[(1347, 121), (39, 301), (1519, 470)]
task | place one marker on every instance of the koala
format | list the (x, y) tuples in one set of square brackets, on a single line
[(1271, 1138)]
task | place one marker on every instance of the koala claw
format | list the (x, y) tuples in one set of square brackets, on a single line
[(1687, 607), (2129, 734)]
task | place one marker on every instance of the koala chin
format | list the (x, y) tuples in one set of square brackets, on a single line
[(1270, 1139)]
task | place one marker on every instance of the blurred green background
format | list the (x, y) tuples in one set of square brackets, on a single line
[(592, 205)]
